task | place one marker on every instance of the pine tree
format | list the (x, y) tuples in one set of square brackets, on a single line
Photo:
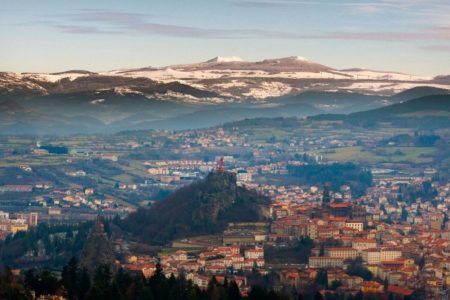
[(145, 294), (421, 262), (322, 278), (359, 296), (318, 296), (233, 292), (257, 293), (83, 283), (69, 277), (214, 289), (12, 288)]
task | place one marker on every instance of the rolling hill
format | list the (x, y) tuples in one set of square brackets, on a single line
[(428, 112), (419, 107)]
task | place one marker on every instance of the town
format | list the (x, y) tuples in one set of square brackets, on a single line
[(389, 237)]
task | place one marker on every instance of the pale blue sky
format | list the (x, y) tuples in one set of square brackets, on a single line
[(55, 35)]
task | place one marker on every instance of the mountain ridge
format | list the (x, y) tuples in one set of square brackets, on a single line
[(426, 112), (160, 98), (228, 78), (115, 110)]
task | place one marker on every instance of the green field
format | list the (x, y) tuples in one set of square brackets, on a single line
[(124, 178), (120, 201), (17, 160), (379, 154), (136, 167), (261, 135)]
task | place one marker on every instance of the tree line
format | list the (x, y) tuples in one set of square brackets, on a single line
[(75, 283)]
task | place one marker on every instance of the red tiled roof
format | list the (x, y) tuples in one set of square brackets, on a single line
[(364, 241), (340, 205), (400, 290)]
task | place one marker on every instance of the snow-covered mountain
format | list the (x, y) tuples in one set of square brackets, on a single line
[(212, 92), (237, 79), (221, 79)]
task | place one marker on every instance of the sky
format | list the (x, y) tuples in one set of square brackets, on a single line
[(411, 36)]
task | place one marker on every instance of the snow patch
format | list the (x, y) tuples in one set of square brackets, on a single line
[(97, 101), (387, 86), (300, 58), (269, 89), (223, 59), (228, 85), (170, 74), (53, 77), (124, 90), (171, 95), (380, 75)]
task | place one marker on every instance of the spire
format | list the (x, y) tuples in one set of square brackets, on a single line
[(99, 227), (326, 198), (221, 165)]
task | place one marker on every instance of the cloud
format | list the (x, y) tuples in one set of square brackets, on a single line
[(290, 3), (437, 48), (113, 22), (368, 8), (360, 7), (77, 29), (400, 4), (271, 3), (404, 8), (432, 33)]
